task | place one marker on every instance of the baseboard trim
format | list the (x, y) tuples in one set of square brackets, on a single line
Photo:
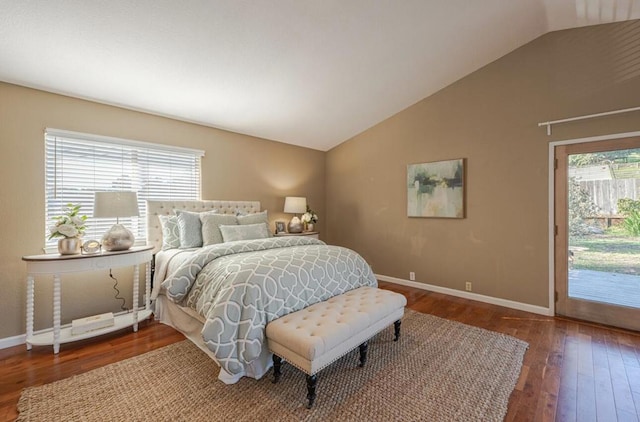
[(13, 341), (468, 295)]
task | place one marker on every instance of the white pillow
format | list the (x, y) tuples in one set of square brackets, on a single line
[(244, 232), (210, 227)]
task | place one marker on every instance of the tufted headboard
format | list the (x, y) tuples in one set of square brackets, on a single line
[(156, 208)]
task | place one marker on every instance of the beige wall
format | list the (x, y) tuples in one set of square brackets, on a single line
[(235, 167), (489, 118)]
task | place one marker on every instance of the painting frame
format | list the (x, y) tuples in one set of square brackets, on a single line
[(281, 227), (437, 189)]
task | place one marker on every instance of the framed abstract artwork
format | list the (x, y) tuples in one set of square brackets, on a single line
[(436, 189)]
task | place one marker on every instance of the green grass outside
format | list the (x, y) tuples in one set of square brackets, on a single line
[(612, 252)]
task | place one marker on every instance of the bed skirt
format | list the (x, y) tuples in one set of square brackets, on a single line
[(188, 323)]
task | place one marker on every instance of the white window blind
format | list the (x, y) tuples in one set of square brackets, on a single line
[(77, 165)]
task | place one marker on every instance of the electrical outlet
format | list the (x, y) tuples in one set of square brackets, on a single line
[(412, 276), (467, 286)]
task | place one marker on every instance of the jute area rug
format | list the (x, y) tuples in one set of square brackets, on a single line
[(439, 370)]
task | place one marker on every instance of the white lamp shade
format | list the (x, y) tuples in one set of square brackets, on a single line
[(115, 204), (295, 204)]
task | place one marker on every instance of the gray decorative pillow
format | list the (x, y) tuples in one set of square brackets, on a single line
[(244, 232), (210, 227), (259, 217), (190, 228), (170, 232)]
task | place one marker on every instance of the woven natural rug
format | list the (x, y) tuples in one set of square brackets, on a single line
[(439, 370)]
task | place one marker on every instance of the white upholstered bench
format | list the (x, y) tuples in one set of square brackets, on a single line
[(314, 337)]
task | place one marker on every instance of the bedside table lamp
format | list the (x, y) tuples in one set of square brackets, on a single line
[(116, 204), (295, 205)]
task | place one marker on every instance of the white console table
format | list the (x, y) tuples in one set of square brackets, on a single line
[(54, 264)]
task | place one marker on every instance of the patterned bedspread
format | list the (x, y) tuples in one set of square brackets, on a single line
[(238, 287)]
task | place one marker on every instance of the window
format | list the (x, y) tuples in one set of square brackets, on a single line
[(77, 165)]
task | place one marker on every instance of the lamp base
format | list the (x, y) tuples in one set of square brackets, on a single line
[(295, 225), (118, 238)]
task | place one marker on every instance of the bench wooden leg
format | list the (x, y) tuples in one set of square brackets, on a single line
[(312, 380), (363, 353), (277, 365), (396, 329)]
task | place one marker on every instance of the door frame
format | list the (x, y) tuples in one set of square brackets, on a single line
[(551, 201)]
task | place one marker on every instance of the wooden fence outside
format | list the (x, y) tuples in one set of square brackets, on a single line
[(605, 193)]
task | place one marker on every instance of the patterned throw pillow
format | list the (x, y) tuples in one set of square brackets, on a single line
[(244, 232), (259, 217), (190, 228), (210, 227), (170, 232)]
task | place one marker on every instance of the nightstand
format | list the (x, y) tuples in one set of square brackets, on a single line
[(315, 235)]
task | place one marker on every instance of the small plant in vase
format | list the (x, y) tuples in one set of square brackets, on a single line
[(309, 218), (69, 227)]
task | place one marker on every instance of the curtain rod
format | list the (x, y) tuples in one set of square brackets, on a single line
[(589, 116)]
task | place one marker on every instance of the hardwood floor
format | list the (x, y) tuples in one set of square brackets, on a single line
[(20, 368), (573, 371)]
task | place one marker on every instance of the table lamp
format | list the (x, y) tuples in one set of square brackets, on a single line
[(295, 205), (116, 204)]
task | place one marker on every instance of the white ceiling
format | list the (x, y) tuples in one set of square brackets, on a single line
[(306, 72)]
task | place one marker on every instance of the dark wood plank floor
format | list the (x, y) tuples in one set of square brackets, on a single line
[(573, 371)]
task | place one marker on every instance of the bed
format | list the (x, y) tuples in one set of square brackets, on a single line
[(221, 293)]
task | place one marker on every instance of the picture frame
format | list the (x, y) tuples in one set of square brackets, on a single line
[(91, 247), (436, 189), (281, 227)]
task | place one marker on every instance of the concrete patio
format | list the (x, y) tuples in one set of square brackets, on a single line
[(599, 286)]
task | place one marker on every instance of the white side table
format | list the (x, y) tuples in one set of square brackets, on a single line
[(58, 264), (315, 235)]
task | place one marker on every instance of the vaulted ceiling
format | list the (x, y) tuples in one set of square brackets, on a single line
[(306, 72)]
